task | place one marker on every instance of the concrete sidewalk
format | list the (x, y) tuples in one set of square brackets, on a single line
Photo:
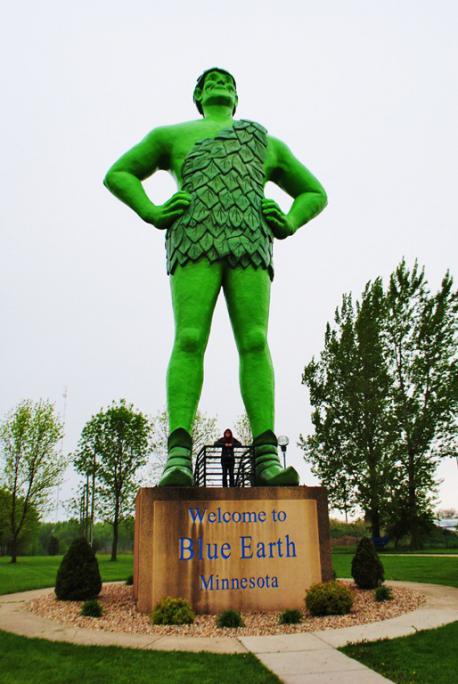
[(301, 658), (307, 659)]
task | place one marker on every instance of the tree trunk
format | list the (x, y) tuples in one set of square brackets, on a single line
[(114, 545), (13, 549), (375, 522), (415, 540), (374, 494)]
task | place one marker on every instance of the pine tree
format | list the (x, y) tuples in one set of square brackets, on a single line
[(78, 577), (366, 567)]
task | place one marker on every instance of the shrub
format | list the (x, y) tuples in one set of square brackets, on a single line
[(78, 577), (329, 598), (172, 611), (91, 608), (290, 617), (229, 618), (366, 566), (383, 593), (130, 580)]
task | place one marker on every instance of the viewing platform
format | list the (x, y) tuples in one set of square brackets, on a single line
[(208, 471)]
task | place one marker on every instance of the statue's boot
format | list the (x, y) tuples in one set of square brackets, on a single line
[(178, 469), (268, 469)]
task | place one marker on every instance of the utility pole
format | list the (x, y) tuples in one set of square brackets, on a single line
[(64, 416)]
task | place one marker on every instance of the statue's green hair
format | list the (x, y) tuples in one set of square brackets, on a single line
[(200, 84)]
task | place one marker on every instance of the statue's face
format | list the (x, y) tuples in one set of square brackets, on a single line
[(218, 88)]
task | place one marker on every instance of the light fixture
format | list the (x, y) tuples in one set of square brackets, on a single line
[(283, 442)]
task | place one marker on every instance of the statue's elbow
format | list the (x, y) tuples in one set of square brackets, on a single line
[(323, 199), (108, 180)]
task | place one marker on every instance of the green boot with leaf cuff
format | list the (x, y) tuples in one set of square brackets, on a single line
[(178, 469), (268, 469)]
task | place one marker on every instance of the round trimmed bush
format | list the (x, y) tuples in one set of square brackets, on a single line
[(130, 580), (329, 598), (78, 577), (366, 566), (91, 608), (229, 618), (172, 611), (290, 617), (383, 593)]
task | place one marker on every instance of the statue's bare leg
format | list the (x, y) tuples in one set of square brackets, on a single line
[(247, 292), (195, 288)]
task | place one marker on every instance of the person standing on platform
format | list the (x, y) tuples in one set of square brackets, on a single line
[(227, 444)]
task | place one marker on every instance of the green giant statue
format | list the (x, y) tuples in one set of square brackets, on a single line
[(219, 235)]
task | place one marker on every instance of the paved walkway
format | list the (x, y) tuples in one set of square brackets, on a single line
[(302, 658)]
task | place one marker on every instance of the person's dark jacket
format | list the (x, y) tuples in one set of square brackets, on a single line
[(227, 449)]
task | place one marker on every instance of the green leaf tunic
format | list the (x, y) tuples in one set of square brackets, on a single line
[(225, 178)]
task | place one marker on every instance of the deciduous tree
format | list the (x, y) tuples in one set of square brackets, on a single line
[(242, 430), (114, 445), (385, 396), (349, 391), (205, 430), (32, 462), (421, 342)]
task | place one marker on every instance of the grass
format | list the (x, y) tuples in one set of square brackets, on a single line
[(346, 550), (25, 660), (429, 657), (408, 568), (422, 658), (37, 572)]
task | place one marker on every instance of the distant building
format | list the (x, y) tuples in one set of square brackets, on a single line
[(448, 523)]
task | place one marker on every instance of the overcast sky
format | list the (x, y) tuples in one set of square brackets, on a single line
[(365, 94)]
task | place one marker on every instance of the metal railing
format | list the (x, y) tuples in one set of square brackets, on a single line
[(209, 473)]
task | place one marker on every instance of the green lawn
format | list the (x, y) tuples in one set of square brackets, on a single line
[(25, 660), (43, 662), (408, 568), (396, 552), (429, 657), (36, 572)]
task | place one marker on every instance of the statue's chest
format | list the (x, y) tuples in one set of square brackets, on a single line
[(232, 161)]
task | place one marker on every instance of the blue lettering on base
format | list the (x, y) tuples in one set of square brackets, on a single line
[(217, 583)]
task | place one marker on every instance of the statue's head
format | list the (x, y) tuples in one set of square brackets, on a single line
[(215, 86)]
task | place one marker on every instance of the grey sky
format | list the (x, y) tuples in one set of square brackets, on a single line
[(364, 93)]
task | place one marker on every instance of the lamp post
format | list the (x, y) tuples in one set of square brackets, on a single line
[(283, 442)]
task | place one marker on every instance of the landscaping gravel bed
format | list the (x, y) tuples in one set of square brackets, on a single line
[(121, 615)]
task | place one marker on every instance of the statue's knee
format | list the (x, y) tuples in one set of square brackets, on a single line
[(253, 342), (190, 340)]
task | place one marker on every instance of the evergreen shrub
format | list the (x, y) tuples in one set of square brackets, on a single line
[(329, 598), (229, 618), (172, 611), (91, 608), (78, 577), (290, 617), (130, 580), (366, 566), (383, 593)]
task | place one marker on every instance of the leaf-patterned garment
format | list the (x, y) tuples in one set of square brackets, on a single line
[(225, 178)]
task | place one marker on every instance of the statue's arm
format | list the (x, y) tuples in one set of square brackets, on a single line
[(124, 180), (294, 178)]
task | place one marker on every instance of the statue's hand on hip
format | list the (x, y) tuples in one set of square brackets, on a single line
[(277, 221), (163, 215)]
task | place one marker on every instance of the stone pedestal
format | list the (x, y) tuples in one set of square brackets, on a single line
[(257, 548)]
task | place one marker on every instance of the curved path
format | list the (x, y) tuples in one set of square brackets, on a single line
[(301, 658)]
